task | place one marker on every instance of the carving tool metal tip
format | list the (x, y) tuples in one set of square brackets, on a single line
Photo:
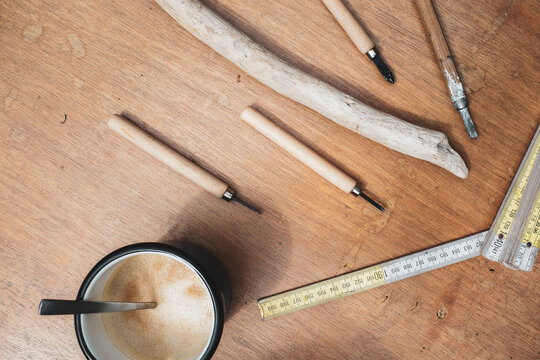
[(381, 65), (469, 125), (358, 35), (250, 207), (358, 192)]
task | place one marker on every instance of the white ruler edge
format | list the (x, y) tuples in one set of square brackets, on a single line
[(433, 258)]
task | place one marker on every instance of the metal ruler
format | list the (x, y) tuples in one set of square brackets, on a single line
[(514, 237), (518, 218), (371, 277)]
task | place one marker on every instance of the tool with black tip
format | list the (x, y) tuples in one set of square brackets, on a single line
[(174, 160), (358, 36), (304, 154)]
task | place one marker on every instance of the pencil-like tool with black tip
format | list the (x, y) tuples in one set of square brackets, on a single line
[(446, 62), (304, 154), (358, 36), (174, 160)]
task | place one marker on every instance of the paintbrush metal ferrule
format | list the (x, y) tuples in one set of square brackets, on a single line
[(381, 65), (461, 105), (469, 125)]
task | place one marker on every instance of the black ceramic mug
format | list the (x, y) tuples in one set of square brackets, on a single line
[(93, 338)]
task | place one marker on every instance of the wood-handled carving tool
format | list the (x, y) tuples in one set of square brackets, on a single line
[(304, 154), (358, 36), (448, 68), (174, 160)]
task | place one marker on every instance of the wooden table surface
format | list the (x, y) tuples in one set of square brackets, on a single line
[(71, 191)]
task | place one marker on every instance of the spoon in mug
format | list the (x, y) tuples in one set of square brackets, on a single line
[(70, 307)]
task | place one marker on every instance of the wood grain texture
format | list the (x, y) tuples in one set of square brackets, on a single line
[(73, 191)]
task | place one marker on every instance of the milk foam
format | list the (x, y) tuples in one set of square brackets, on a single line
[(181, 324)]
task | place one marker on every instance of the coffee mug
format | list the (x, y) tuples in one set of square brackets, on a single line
[(95, 337)]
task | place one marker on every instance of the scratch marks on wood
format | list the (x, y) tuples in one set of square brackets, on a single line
[(373, 226), (381, 220), (18, 134), (223, 100), (8, 100), (208, 101), (492, 31), (77, 46), (474, 78), (349, 259), (78, 83), (31, 33)]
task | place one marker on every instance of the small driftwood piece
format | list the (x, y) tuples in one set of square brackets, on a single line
[(260, 63)]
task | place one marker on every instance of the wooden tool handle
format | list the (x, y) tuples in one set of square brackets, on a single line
[(436, 35), (168, 156), (350, 25), (299, 150)]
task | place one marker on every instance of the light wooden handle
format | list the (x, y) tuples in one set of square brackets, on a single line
[(350, 25), (299, 150), (166, 155), (436, 36)]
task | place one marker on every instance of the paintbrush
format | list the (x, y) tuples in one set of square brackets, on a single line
[(446, 62)]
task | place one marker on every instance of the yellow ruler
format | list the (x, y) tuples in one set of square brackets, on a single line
[(371, 277), (518, 218), (513, 239)]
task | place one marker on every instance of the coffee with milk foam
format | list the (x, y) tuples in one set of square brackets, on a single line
[(179, 327)]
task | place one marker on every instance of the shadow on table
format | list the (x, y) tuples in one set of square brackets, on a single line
[(253, 249)]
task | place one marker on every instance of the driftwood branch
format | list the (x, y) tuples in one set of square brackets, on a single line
[(388, 130)]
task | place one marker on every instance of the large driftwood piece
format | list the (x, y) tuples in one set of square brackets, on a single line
[(297, 85)]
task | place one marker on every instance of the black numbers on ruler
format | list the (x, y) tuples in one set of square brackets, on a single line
[(378, 275), (358, 282), (455, 252), (394, 270), (432, 258), (419, 262), (467, 248), (296, 300), (407, 266), (272, 307), (443, 255), (321, 292), (334, 288), (308, 297), (346, 285), (284, 303)]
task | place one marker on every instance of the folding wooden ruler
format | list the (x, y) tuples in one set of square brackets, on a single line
[(512, 240)]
